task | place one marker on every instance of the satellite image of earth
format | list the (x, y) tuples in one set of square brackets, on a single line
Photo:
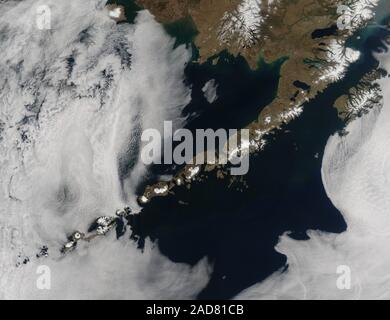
[(302, 84)]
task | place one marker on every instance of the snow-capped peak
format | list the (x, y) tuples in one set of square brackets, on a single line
[(243, 24)]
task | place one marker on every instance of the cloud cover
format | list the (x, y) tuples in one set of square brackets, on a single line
[(73, 102), (356, 175)]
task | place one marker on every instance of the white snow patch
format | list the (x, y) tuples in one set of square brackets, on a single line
[(73, 101), (338, 58), (161, 190), (115, 13), (291, 114), (192, 172), (243, 23), (356, 176)]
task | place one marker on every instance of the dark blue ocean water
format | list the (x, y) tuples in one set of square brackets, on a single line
[(237, 231)]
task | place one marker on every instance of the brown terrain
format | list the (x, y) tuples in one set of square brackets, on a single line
[(117, 13), (285, 32), (366, 95)]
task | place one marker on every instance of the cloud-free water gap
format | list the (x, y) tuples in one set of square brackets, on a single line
[(74, 145), (286, 194)]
